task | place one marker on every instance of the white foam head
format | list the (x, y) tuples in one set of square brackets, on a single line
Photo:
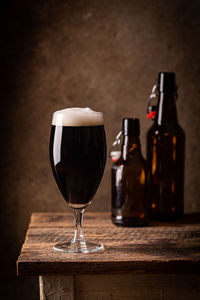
[(77, 116)]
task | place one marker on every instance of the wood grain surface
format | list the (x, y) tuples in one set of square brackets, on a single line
[(158, 248)]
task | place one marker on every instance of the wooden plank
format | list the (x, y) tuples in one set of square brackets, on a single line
[(138, 287), (160, 247), (117, 287)]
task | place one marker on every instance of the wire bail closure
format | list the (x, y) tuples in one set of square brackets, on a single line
[(115, 155), (152, 109), (117, 139)]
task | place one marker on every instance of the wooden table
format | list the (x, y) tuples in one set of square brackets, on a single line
[(161, 261)]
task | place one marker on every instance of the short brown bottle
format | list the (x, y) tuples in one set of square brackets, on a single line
[(165, 155), (130, 180)]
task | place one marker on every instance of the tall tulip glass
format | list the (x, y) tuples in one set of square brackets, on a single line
[(78, 157)]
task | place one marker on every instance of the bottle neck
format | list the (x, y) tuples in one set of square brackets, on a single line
[(166, 113), (130, 147)]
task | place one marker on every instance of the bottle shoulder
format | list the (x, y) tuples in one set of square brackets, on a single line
[(172, 128)]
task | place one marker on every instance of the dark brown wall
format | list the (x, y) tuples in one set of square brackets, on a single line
[(101, 54)]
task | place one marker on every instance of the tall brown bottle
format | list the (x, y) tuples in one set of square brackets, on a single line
[(129, 180), (165, 155)]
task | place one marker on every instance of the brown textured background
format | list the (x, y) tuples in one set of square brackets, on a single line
[(101, 54)]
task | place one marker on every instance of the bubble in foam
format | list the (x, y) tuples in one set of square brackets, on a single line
[(76, 116)]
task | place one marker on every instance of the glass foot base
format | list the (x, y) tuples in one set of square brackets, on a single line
[(83, 247)]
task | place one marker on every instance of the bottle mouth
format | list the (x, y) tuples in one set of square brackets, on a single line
[(166, 82), (131, 126)]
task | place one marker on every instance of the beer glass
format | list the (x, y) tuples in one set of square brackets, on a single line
[(78, 157)]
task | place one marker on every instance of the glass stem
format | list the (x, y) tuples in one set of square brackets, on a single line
[(78, 233)]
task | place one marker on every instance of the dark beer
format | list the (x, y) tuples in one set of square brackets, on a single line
[(78, 156)]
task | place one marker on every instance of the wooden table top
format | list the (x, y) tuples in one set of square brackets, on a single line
[(158, 248)]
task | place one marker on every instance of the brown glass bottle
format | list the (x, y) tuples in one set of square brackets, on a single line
[(129, 180), (165, 155)]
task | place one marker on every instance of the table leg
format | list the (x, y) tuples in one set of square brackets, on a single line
[(56, 287)]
